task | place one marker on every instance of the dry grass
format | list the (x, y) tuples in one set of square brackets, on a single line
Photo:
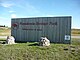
[(5, 32), (75, 32)]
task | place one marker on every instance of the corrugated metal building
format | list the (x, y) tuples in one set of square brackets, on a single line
[(56, 29)]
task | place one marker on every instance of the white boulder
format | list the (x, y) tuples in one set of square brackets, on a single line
[(44, 41), (10, 40)]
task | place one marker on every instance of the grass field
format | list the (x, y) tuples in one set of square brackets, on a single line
[(31, 51), (5, 31), (75, 32)]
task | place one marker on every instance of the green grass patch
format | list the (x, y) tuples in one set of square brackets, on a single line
[(31, 51), (75, 41)]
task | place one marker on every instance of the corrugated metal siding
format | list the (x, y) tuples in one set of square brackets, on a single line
[(55, 33)]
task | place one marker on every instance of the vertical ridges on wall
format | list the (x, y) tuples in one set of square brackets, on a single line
[(55, 33)]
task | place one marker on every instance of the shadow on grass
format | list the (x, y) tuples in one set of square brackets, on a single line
[(2, 41), (29, 43), (34, 44)]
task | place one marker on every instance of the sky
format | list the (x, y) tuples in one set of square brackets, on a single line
[(39, 8)]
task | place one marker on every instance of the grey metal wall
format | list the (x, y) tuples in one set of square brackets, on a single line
[(56, 29)]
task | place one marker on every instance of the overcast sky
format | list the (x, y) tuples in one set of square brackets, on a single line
[(33, 8)]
